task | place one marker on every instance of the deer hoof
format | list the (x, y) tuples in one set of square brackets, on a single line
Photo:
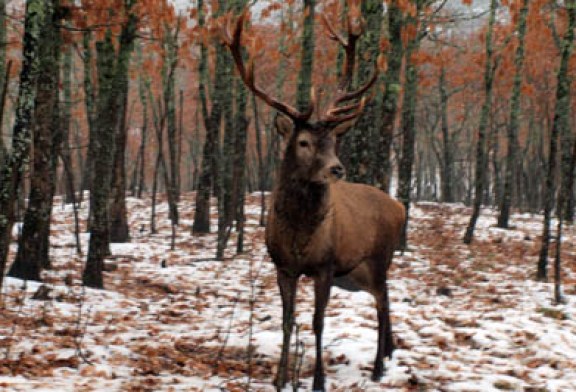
[(279, 385), (318, 386), (377, 373)]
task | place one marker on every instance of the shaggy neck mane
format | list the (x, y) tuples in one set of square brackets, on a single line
[(301, 205)]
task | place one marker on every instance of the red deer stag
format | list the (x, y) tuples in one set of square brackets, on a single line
[(319, 225)]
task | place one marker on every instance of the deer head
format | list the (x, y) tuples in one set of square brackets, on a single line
[(311, 146), (311, 150)]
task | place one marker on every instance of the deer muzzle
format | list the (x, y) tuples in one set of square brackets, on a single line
[(337, 172)]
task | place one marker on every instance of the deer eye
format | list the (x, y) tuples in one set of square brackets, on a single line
[(303, 143)]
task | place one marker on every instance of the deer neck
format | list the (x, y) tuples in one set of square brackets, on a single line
[(301, 205)]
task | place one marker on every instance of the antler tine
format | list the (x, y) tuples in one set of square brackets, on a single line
[(225, 30), (333, 112), (332, 33), (356, 93), (333, 118), (355, 26), (342, 109), (233, 41)]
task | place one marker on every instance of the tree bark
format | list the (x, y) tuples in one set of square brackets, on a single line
[(66, 107), (481, 158), (359, 145), (239, 174), (390, 99), (232, 95), (33, 248), (3, 36), (512, 155), (212, 123), (570, 204), (168, 80), (409, 121), (90, 102), (111, 96), (307, 60), (225, 179), (260, 157), (142, 162), (447, 176), (118, 213), (560, 126), (12, 169)]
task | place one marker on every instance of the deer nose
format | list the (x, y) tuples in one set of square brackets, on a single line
[(337, 171)]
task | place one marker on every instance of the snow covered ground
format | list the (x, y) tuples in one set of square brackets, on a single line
[(465, 318)]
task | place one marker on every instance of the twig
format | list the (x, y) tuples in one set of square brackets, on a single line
[(81, 329), (10, 336), (228, 330), (252, 305), (299, 352)]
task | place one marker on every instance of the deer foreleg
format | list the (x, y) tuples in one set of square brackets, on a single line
[(287, 284), (385, 341), (322, 285)]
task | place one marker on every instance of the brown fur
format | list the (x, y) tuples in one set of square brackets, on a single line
[(326, 229), (353, 224)]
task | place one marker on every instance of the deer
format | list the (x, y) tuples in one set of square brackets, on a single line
[(319, 225)]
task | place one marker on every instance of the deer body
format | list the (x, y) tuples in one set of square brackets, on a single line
[(319, 225), (343, 223)]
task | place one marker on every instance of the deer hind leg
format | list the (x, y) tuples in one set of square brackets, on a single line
[(287, 284), (322, 285), (385, 340)]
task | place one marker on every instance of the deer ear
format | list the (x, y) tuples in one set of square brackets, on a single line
[(344, 127), (283, 125)]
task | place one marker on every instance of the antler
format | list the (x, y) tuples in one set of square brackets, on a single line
[(231, 36), (355, 26)]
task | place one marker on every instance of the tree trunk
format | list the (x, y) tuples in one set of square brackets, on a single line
[(118, 213), (168, 81), (102, 138), (179, 142), (392, 90), (561, 126), (111, 96), (142, 88), (307, 61), (66, 108), (447, 176), (239, 172), (171, 61), (481, 158), (65, 151), (154, 193), (494, 148), (359, 145), (512, 155), (212, 123), (570, 188), (225, 179), (89, 100), (232, 95), (12, 169), (3, 150), (408, 122), (273, 139), (260, 157), (33, 248)]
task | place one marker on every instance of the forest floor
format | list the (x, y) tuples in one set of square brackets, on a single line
[(465, 318)]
